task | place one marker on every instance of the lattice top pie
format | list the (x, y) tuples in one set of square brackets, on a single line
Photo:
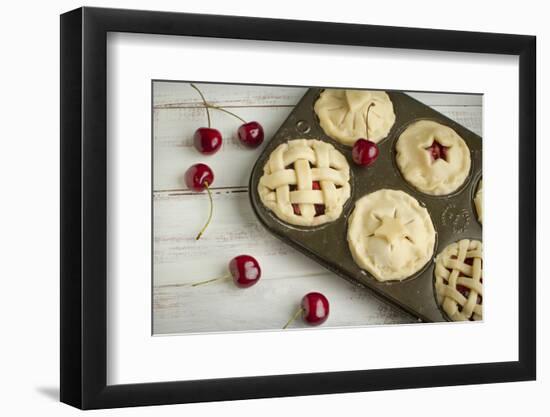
[(305, 182), (390, 235), (459, 280), (433, 157), (343, 114), (478, 200)]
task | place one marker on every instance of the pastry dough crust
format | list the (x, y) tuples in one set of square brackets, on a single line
[(342, 115), (478, 200), (459, 280), (390, 235), (436, 177), (297, 164)]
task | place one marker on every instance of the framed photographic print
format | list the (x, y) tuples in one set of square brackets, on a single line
[(257, 208)]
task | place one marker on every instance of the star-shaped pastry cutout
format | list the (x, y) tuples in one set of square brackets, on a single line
[(438, 151), (391, 229)]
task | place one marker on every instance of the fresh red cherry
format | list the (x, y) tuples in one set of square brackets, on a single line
[(199, 177), (245, 271), (314, 309), (207, 140), (251, 134), (364, 152)]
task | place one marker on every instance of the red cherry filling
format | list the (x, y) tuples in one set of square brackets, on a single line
[(437, 151), (465, 291), (319, 208)]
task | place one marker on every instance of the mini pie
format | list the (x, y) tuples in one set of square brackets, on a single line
[(390, 235), (343, 115), (459, 280), (478, 200), (433, 157), (305, 182)]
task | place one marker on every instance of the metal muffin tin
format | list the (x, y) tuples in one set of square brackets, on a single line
[(453, 215)]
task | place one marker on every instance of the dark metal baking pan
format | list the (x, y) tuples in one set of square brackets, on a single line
[(453, 215)]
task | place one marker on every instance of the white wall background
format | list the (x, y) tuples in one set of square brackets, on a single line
[(29, 178)]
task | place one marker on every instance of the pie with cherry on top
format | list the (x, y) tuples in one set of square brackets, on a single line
[(305, 182), (433, 157), (459, 280), (390, 235), (343, 115)]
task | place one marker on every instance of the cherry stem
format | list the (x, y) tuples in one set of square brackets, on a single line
[(367, 118), (209, 214), (205, 103), (226, 111), (294, 317), (224, 278)]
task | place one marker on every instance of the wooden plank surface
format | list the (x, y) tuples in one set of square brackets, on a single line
[(179, 260)]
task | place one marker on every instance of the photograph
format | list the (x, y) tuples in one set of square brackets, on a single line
[(282, 208), (275, 209)]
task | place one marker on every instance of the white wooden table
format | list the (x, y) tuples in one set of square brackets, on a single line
[(287, 275)]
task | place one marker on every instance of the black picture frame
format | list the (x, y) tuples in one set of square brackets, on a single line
[(84, 207)]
